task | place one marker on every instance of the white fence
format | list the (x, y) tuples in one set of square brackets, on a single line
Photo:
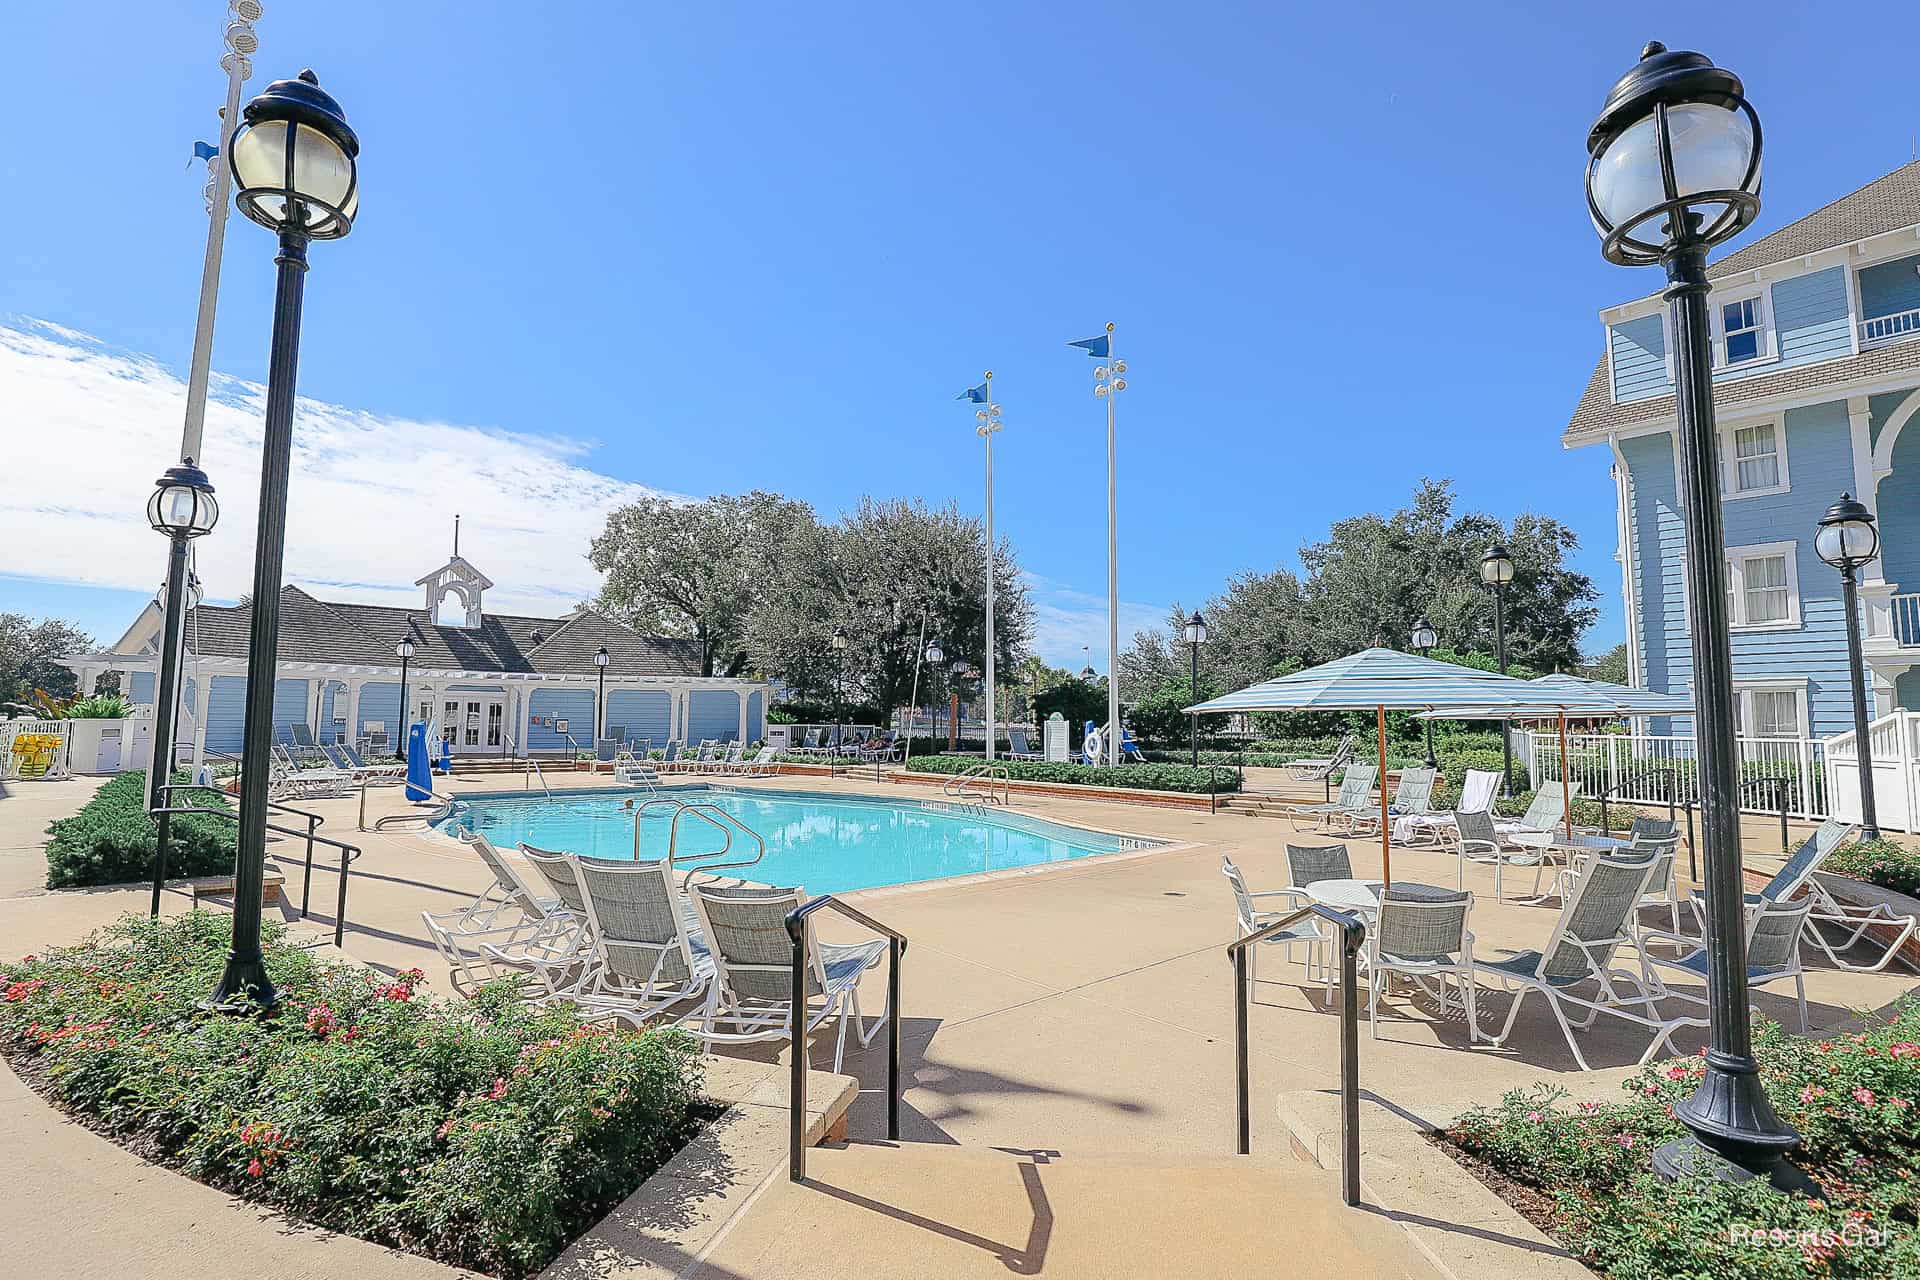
[(1652, 769), (35, 749), (1895, 742)]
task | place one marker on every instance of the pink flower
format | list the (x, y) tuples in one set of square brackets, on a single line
[(1899, 1103), (1624, 1139), (1863, 1096), (499, 1089), (1650, 1089), (255, 1169), (1811, 1092), (1904, 1049), (1534, 1117), (321, 1021), (1677, 1072)]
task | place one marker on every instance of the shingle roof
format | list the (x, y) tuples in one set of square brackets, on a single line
[(314, 630), (1890, 203)]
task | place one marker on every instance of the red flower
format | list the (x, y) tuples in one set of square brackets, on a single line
[(1863, 1096), (1904, 1049), (255, 1169), (499, 1089)]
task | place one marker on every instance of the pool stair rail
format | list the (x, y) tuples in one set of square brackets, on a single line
[(991, 782), (707, 860), (629, 771)]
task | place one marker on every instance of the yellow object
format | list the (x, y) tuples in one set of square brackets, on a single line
[(36, 752)]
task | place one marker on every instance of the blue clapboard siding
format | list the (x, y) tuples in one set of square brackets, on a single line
[(381, 702), (140, 690), (1810, 318), (643, 713), (713, 713), (1659, 548), (226, 713), (1639, 359), (756, 716), (1882, 408), (572, 705), (1899, 499), (1890, 288), (289, 706)]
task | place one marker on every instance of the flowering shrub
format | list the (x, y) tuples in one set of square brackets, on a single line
[(1141, 777), (1884, 862), (1852, 1099), (486, 1134)]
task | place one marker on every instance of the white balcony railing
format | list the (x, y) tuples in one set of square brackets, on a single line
[(1898, 327), (1904, 619)]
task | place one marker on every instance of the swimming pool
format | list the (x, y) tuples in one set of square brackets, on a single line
[(824, 843)]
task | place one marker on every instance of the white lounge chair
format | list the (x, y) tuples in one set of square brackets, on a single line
[(1476, 796), (1411, 796), (1356, 791), (1320, 768), (649, 953), (1773, 955), (537, 937)]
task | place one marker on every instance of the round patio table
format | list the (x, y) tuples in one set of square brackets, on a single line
[(1363, 896)]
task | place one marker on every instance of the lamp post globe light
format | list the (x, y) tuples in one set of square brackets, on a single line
[(294, 159), (1196, 634), (403, 651), (1673, 170), (1848, 540), (839, 644), (182, 507), (933, 655), (1424, 641), (1496, 572), (600, 660)]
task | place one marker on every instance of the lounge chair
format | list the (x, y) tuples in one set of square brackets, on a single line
[(1320, 768), (1652, 838), (1251, 919), (670, 758), (649, 953), (1421, 932), (562, 976), (1477, 840), (1437, 827), (1594, 923), (1019, 748), (1544, 820), (479, 948), (315, 782), (1356, 791), (1412, 796), (762, 765), (348, 761), (880, 749), (1773, 955), (751, 998)]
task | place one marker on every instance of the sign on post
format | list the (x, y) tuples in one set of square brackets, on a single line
[(1055, 738)]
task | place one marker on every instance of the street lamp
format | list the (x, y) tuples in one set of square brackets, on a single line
[(294, 159), (1424, 640), (403, 651), (1848, 540), (1496, 571), (600, 699), (1196, 631), (839, 643), (1674, 169), (182, 507)]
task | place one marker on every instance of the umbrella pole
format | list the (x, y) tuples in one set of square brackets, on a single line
[(1566, 763), (1386, 855)]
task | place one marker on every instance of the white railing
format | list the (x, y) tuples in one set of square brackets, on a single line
[(34, 749), (1653, 768), (1895, 742), (1897, 327), (1903, 613)]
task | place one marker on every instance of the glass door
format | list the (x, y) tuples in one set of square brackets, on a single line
[(496, 721)]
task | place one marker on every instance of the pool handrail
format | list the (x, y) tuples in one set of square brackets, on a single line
[(639, 811), (797, 922), (714, 815)]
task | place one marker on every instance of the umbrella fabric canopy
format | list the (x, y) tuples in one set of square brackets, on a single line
[(1627, 701), (1385, 679)]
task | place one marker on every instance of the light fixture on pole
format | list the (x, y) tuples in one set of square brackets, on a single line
[(1109, 380), (183, 507), (933, 655), (1848, 540), (839, 643), (987, 425), (1673, 170), (1424, 641), (294, 158), (600, 661), (1496, 571), (1196, 633), (403, 651)]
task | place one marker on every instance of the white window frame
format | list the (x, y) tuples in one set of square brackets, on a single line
[(1743, 691), (1737, 558), (1730, 464), (1762, 297)]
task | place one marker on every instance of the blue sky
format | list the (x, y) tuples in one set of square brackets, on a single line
[(712, 248)]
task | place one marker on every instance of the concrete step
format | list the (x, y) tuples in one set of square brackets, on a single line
[(881, 1211)]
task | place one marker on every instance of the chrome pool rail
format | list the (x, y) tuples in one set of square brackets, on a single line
[(982, 777), (727, 824), (1353, 935)]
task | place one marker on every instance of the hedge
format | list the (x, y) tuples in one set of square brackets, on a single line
[(1138, 777), (111, 840)]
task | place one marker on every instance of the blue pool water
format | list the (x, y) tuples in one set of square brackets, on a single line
[(826, 844)]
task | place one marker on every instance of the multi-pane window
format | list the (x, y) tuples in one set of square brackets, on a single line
[(1756, 458), (1763, 586), (1775, 713), (1740, 330), (1765, 589)]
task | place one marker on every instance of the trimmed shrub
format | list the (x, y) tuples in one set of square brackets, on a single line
[(112, 839), (486, 1134), (1139, 777), (1884, 862)]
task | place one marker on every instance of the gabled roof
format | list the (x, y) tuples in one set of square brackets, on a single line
[(1890, 203), (463, 567)]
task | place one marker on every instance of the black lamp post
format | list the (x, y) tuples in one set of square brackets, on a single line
[(1674, 169), (1496, 571), (1196, 631), (1424, 640), (404, 652), (933, 655), (1848, 540), (600, 660), (839, 643), (293, 160), (183, 508)]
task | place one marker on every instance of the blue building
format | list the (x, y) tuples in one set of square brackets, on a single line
[(498, 684), (1816, 354)]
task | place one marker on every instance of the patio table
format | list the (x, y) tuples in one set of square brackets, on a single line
[(1566, 849), (1362, 897)]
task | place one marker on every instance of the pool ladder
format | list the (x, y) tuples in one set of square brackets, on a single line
[(714, 816), (981, 779)]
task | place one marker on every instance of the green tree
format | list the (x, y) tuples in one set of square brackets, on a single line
[(1077, 701), (28, 653), (1610, 666), (695, 569)]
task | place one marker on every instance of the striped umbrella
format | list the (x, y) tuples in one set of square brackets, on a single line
[(1627, 701), (1385, 679)]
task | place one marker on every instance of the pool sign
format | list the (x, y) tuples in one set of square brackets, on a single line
[(1055, 741)]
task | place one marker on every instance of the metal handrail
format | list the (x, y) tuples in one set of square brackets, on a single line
[(718, 817), (986, 774), (314, 822), (529, 769), (1353, 935), (380, 824), (640, 810), (349, 853), (1635, 776), (797, 921)]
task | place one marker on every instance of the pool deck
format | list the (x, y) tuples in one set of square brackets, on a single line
[(1072, 1020)]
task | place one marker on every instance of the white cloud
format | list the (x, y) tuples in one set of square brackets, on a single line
[(86, 429), (1065, 619)]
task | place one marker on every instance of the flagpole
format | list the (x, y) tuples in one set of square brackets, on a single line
[(238, 68), (1114, 732), (987, 429)]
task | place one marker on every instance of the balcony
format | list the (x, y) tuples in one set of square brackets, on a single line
[(1880, 331), (1892, 620)]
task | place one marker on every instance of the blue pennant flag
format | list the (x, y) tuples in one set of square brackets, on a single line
[(204, 151), (976, 394), (1095, 347)]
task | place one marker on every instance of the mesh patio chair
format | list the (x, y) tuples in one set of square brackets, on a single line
[(1545, 817), (1594, 923), (751, 997), (648, 949), (1421, 932), (1319, 768), (1773, 955), (1476, 796), (1476, 839), (1252, 919), (1656, 840), (1354, 796), (543, 942), (1309, 863)]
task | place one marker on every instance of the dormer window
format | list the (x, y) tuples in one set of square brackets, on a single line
[(1740, 325)]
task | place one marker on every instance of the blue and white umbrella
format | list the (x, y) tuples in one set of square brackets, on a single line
[(1627, 701)]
